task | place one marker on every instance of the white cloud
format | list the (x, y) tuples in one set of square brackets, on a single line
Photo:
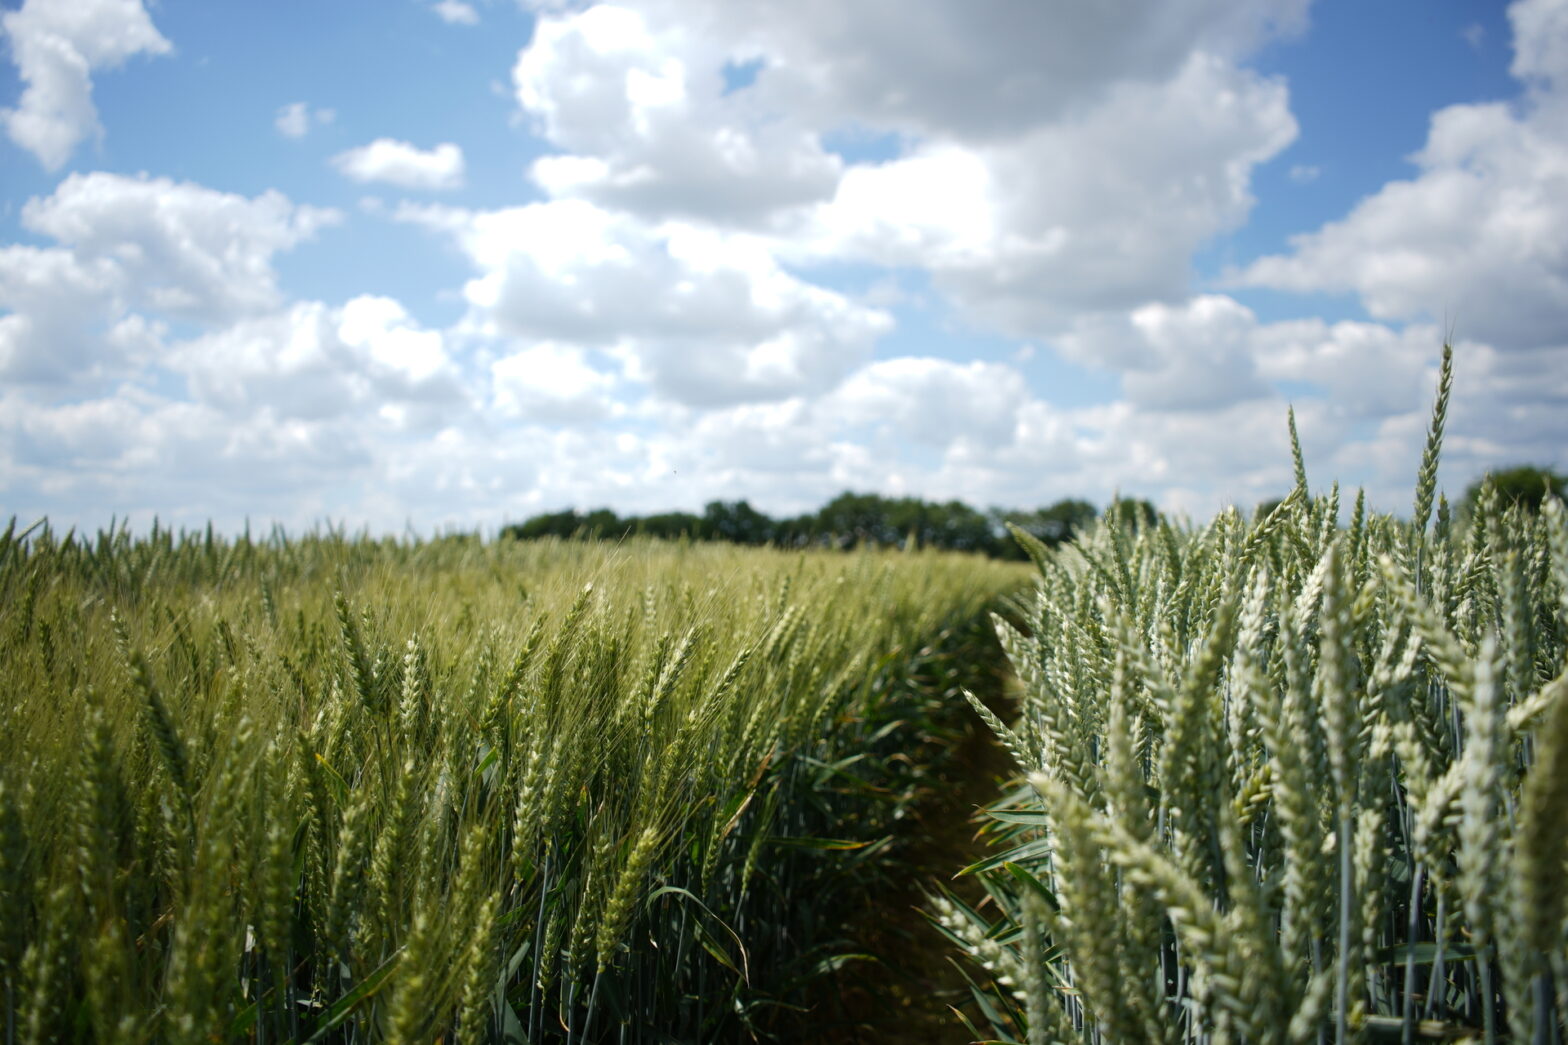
[(185, 249), (57, 45), (1211, 352), (1540, 42), (316, 362), (57, 302), (1101, 210), (455, 12), (142, 455), (704, 317), (1194, 356), (1305, 173), (1366, 371), (552, 384), (670, 325), (402, 164), (932, 401), (635, 93), (649, 127), (295, 119), (1477, 234), (136, 250), (939, 69), (1202, 380), (974, 431)]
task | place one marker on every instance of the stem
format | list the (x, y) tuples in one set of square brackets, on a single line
[(288, 990), (535, 990), (261, 970), (1488, 1009), (1408, 1028), (1317, 964), (1439, 981), (593, 996), (1346, 895), (680, 961), (1543, 1009)]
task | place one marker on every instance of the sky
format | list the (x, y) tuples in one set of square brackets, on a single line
[(416, 266)]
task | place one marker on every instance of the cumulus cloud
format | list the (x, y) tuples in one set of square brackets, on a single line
[(1211, 351), (139, 454), (304, 415), (1085, 185), (938, 69), (551, 383), (1093, 202), (637, 96), (402, 164), (1540, 42), (1102, 210), (138, 250), (1203, 382), (1477, 234), (313, 362), (936, 402), (1197, 355), (455, 12), (936, 428), (296, 119), (187, 250), (57, 45), (58, 306), (670, 323), (649, 127), (704, 317)]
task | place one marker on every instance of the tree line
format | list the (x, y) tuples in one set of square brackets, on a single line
[(863, 518), (847, 520)]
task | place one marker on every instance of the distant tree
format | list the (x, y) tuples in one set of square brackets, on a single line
[(552, 524), (952, 524), (1525, 485), (601, 522), (1133, 513), (668, 526), (737, 521), (1052, 526), (845, 521), (856, 518), (1266, 507)]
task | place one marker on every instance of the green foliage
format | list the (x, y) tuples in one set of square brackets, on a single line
[(851, 519), (362, 791), (1057, 524), (848, 521), (737, 522), (1133, 514), (1524, 485), (1286, 781)]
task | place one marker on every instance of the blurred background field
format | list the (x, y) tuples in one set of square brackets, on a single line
[(361, 790)]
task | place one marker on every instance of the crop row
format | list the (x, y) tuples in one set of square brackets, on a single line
[(1287, 781), (340, 789)]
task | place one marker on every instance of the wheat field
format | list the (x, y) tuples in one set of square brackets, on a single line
[(373, 791), (1284, 780)]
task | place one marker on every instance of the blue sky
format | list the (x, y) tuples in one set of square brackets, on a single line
[(451, 264)]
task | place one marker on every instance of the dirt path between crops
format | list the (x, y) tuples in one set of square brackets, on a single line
[(908, 994)]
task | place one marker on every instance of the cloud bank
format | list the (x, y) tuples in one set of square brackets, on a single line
[(722, 265)]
